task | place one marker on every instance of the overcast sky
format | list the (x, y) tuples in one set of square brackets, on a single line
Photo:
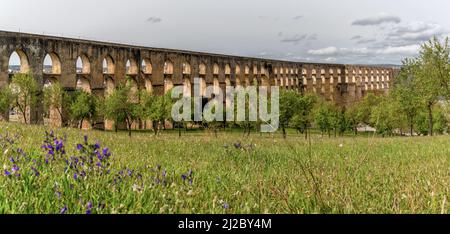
[(344, 31)]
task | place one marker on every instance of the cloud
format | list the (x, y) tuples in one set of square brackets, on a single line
[(377, 20), (154, 20), (297, 17), (365, 51), (298, 38), (415, 31), (324, 51), (366, 41), (357, 37), (399, 50)]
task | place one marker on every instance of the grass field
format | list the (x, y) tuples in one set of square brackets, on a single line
[(200, 173)]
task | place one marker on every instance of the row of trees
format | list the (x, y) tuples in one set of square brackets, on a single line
[(418, 103)]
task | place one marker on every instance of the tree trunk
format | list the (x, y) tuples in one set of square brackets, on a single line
[(411, 128), (430, 119), (284, 132)]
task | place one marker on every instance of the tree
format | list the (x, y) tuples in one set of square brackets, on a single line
[(324, 116), (289, 106), (24, 89), (156, 108), (6, 99), (432, 79), (404, 93), (121, 106), (385, 116), (54, 95), (82, 106), (302, 118)]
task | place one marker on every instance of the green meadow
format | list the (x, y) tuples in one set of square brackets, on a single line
[(202, 173)]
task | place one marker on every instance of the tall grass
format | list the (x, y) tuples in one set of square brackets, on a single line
[(199, 173)]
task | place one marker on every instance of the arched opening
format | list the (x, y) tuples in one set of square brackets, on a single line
[(131, 67), (202, 74), (52, 64), (83, 84), (18, 62), (134, 90), (83, 65), (52, 112), (146, 67), (246, 76), (186, 79), (108, 65), (216, 83), (237, 76), (168, 73), (109, 89)]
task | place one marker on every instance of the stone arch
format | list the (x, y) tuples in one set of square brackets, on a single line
[(83, 84), (227, 69), (202, 69), (131, 67), (168, 73), (23, 65), (216, 69), (146, 66), (202, 76), (110, 85), (83, 65), (187, 87), (186, 68), (52, 117), (52, 64), (109, 66), (134, 89)]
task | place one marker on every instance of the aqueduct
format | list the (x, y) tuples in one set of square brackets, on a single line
[(97, 67)]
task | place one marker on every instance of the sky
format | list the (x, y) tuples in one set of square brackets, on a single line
[(330, 31)]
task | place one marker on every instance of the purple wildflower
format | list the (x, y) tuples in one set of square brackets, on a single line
[(15, 168), (226, 205), (7, 173), (79, 147), (63, 210)]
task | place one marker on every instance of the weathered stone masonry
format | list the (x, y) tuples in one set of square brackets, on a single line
[(164, 68)]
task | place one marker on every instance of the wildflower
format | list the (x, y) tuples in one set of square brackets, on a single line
[(15, 168), (97, 146), (36, 172), (89, 208), (341, 145), (85, 139), (183, 177), (11, 159), (226, 205), (7, 173), (75, 176), (63, 210), (79, 147), (238, 145)]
